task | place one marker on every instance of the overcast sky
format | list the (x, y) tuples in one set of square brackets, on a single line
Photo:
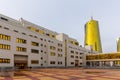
[(69, 16)]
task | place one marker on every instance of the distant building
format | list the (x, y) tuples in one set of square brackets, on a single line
[(24, 44), (92, 35), (118, 45), (103, 60)]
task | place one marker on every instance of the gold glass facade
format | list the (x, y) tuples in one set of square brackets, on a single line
[(92, 35), (103, 56), (118, 45)]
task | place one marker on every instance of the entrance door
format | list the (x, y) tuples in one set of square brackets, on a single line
[(20, 64), (20, 61), (76, 63)]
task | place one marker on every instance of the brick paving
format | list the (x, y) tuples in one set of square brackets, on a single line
[(65, 74)]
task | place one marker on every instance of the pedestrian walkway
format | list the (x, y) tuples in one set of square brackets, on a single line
[(65, 74)]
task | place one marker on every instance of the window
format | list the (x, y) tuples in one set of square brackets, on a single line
[(52, 53), (52, 62), (20, 40), (3, 60), (34, 51), (60, 50), (76, 56), (59, 55), (32, 28), (21, 49), (4, 19), (41, 58), (72, 56), (72, 63), (35, 36), (15, 31), (5, 37), (45, 52), (59, 62), (40, 31), (53, 36), (34, 61), (60, 45), (6, 28), (44, 45), (48, 40), (81, 53), (80, 63), (41, 44), (41, 64), (76, 52), (72, 51), (44, 61), (31, 35), (80, 57), (52, 47), (24, 33), (41, 51), (47, 34), (76, 43), (34, 43), (41, 39), (5, 46)]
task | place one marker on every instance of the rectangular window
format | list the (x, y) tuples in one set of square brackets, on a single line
[(52, 47), (59, 50), (76, 56), (34, 43), (81, 53), (40, 31), (59, 55), (5, 37), (34, 51), (76, 52), (72, 51), (52, 62), (80, 63), (59, 62), (52, 53), (20, 40), (47, 34), (5, 46), (80, 57), (53, 36), (32, 28), (21, 49), (5, 19), (3, 60), (60, 45), (34, 61), (72, 56), (76, 43), (72, 63)]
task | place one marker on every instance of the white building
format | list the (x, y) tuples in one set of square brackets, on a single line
[(24, 44)]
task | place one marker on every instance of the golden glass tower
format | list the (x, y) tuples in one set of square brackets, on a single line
[(118, 45), (92, 35)]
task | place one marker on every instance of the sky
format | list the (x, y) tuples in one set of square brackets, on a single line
[(69, 17)]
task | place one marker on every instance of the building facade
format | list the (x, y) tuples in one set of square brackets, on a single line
[(103, 60), (92, 35), (24, 44)]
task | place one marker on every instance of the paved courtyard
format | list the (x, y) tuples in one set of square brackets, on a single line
[(65, 74)]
